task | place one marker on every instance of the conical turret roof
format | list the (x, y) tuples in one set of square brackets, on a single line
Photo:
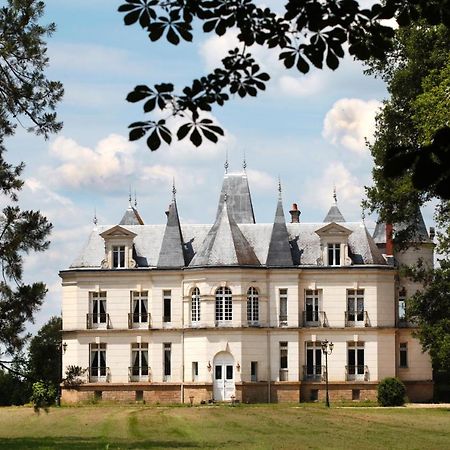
[(131, 217), (225, 245), (279, 247)]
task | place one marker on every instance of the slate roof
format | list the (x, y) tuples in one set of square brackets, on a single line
[(131, 217), (334, 215)]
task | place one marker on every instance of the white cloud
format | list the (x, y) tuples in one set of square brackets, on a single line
[(303, 85), (261, 181), (349, 122), (105, 166)]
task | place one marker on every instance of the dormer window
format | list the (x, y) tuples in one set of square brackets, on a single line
[(118, 252), (334, 254)]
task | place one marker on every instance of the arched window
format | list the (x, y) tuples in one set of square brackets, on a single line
[(252, 305), (195, 305), (224, 305)]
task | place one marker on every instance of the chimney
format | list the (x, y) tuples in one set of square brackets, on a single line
[(389, 241), (432, 233), (295, 213)]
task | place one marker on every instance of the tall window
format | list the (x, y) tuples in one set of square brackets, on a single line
[(139, 306), (355, 359), (355, 305), (313, 369), (194, 371), (312, 305), (224, 305), (118, 252), (283, 293), (402, 305), (139, 360), (98, 308), (195, 305), (334, 254), (283, 361), (403, 362), (167, 304), (98, 360), (254, 371), (167, 360), (252, 305)]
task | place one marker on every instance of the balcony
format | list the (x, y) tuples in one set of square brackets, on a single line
[(314, 373), (357, 319), (357, 373), (97, 320), (315, 319), (139, 373), (284, 375), (283, 320), (99, 374), (139, 320)]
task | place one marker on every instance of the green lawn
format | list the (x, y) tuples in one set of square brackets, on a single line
[(240, 427)]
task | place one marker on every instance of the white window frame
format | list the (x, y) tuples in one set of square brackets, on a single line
[(195, 305), (167, 300), (284, 360), (119, 260), (356, 307), (283, 301), (224, 305), (167, 361), (254, 371), (314, 349), (358, 349), (138, 299), (98, 308), (139, 351), (194, 371), (334, 251), (313, 297), (252, 306), (100, 371), (403, 349)]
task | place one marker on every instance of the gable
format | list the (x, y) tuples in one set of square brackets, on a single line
[(333, 229), (118, 232)]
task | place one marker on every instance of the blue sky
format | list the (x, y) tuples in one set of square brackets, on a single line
[(307, 130)]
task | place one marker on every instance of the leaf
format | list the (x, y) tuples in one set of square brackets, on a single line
[(302, 65), (183, 131), (172, 37), (209, 135), (131, 17), (332, 60), (153, 141), (136, 134), (139, 93), (196, 137), (165, 134), (150, 104)]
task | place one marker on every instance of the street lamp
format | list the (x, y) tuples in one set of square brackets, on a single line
[(327, 349)]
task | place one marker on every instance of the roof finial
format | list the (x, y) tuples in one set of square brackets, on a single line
[(174, 189), (279, 187), (334, 194), (135, 199), (129, 196), (95, 217), (226, 162), (244, 163), (225, 196)]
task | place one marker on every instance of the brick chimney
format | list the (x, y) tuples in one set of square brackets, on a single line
[(295, 213), (389, 240)]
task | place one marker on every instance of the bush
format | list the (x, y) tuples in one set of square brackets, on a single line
[(391, 392), (43, 396)]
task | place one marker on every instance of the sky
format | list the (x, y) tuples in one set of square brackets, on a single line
[(306, 130)]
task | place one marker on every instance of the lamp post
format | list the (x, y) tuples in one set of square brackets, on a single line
[(327, 349)]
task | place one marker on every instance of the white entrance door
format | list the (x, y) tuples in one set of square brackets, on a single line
[(223, 376)]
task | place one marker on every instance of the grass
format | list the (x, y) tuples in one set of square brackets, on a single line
[(224, 427)]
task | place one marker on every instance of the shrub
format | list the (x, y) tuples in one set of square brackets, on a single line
[(391, 392), (43, 396)]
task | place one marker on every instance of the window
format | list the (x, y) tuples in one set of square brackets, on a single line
[(97, 367), (356, 370), (167, 358), (194, 370), (311, 306), (167, 300), (355, 305), (334, 254), (402, 305), (139, 360), (252, 306), (283, 306), (98, 314), (139, 307), (403, 354), (254, 371), (224, 305), (283, 361), (195, 305), (313, 369), (118, 252)]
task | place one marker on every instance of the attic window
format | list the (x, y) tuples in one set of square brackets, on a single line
[(118, 252), (334, 254)]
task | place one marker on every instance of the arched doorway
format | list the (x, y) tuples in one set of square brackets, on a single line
[(223, 376)]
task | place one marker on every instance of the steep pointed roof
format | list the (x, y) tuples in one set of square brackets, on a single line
[(225, 245), (239, 201), (172, 247), (131, 217), (334, 215), (279, 247)]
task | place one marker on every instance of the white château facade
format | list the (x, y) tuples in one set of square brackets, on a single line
[(237, 310)]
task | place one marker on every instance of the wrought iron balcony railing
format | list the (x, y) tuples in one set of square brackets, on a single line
[(314, 373), (139, 373), (99, 374), (357, 319), (284, 375), (97, 320), (315, 319), (357, 373), (139, 320)]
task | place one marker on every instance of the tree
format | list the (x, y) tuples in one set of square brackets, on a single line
[(309, 32), (44, 353), (27, 98)]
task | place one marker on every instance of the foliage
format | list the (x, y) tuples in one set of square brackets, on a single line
[(308, 33), (14, 390), (27, 98), (43, 396), (44, 353), (391, 392), (73, 376)]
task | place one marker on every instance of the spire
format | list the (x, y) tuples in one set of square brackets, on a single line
[(279, 248), (135, 199), (334, 214), (225, 244), (174, 190), (95, 221), (239, 201), (172, 247), (244, 164), (131, 215), (226, 162)]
